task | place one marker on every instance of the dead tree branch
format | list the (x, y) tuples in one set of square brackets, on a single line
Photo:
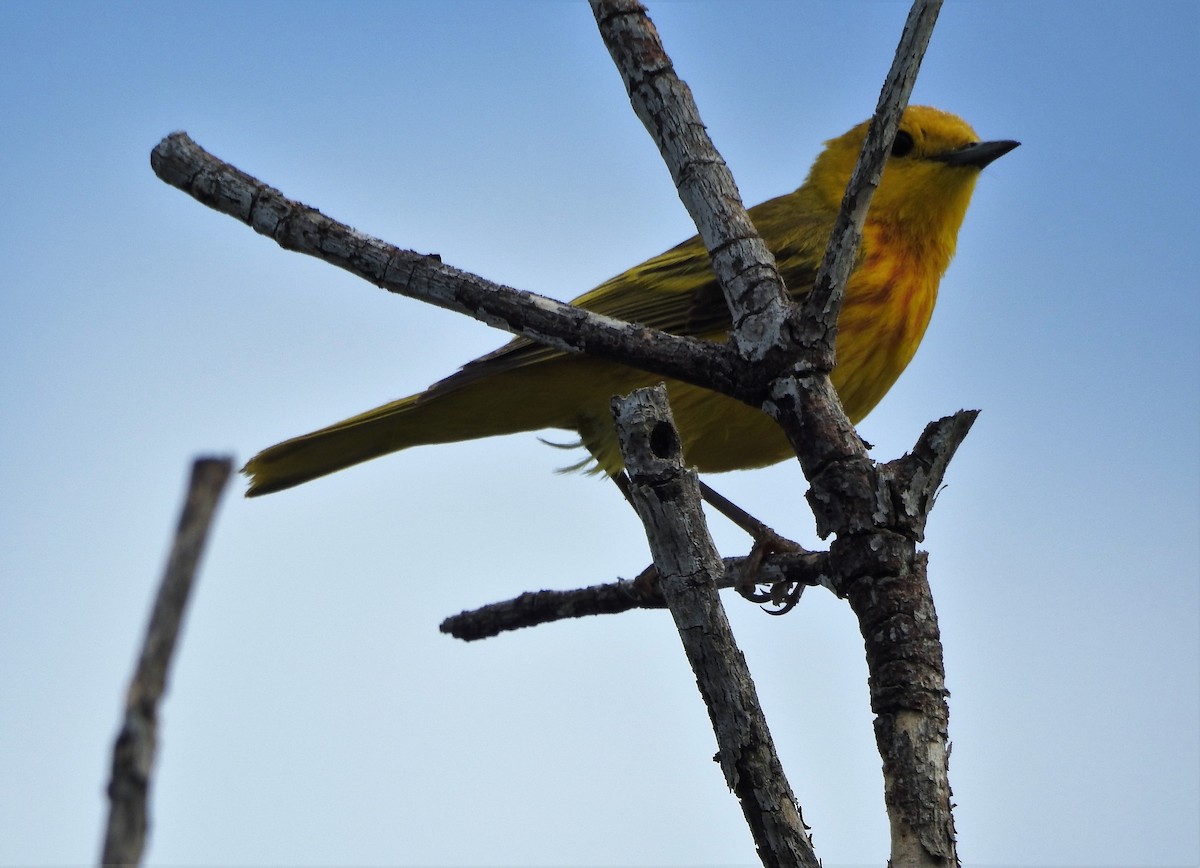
[(667, 497), (743, 264), (294, 226), (136, 743), (821, 306), (778, 359), (873, 557), (543, 607)]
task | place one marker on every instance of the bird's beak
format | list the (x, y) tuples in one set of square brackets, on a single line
[(978, 154)]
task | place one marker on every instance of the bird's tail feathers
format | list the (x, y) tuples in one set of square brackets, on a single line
[(474, 411)]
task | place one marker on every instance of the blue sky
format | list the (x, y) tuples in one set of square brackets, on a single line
[(315, 714)]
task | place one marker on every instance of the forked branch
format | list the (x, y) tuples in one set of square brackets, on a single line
[(877, 513), (778, 358)]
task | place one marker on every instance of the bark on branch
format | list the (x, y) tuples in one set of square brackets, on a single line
[(136, 743), (667, 497), (819, 323), (543, 607), (743, 264), (294, 226)]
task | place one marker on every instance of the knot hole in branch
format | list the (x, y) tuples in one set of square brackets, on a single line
[(664, 442)]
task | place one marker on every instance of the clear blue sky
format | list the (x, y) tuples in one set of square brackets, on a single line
[(316, 716)]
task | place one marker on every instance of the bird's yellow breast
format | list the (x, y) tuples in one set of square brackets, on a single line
[(887, 307)]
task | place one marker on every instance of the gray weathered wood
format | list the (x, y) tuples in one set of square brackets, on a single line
[(873, 558), (136, 743), (294, 226), (778, 358), (543, 607), (667, 498)]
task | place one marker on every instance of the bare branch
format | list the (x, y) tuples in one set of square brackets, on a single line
[(877, 513), (543, 607), (886, 583), (918, 475), (806, 406), (133, 752), (667, 498), (792, 377), (908, 695), (821, 307), (179, 161), (743, 264)]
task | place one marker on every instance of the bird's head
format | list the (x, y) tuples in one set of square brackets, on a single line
[(928, 177)]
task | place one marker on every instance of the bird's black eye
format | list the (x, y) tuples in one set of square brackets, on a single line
[(902, 145)]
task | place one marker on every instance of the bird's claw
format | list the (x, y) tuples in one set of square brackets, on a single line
[(782, 595)]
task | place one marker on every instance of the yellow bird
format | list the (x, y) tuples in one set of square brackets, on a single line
[(908, 241)]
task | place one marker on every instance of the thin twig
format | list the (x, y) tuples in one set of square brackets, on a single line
[(543, 607), (134, 750), (821, 306)]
